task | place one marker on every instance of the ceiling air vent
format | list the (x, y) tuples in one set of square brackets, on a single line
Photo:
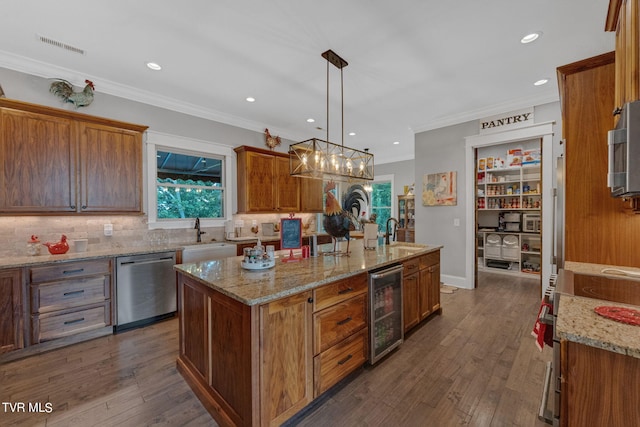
[(60, 44)]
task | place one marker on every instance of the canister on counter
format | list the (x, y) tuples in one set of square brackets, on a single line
[(306, 251)]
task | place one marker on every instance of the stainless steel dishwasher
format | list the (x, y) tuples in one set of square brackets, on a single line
[(145, 289)]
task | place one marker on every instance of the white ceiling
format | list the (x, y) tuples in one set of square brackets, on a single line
[(414, 65)]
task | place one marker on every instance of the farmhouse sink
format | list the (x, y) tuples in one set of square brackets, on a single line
[(207, 252)]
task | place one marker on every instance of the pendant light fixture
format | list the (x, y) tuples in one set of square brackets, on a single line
[(315, 158)]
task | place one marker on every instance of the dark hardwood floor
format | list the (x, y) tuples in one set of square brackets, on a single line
[(474, 365)]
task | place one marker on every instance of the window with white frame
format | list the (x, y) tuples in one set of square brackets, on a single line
[(187, 179)]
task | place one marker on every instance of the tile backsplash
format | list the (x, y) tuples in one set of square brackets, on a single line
[(128, 231)]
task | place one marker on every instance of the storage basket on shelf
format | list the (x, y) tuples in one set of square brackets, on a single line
[(492, 246), (510, 247)]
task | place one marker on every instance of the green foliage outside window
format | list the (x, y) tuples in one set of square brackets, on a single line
[(189, 185), (188, 199), (381, 200)]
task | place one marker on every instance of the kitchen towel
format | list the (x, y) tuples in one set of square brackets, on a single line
[(542, 332)]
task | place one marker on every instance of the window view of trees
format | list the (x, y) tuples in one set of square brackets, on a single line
[(381, 200), (189, 186)]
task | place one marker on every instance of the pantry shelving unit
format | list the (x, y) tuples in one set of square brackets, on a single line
[(504, 197)]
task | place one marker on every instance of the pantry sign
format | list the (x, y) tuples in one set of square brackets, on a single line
[(506, 121)]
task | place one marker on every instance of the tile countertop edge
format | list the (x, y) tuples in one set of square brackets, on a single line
[(202, 273), (578, 322)]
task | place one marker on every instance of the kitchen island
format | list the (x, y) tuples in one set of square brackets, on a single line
[(258, 346)]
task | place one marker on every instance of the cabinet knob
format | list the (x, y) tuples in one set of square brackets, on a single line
[(617, 111), (84, 206), (73, 207), (310, 300)]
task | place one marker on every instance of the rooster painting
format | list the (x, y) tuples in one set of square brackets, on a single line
[(271, 141), (64, 90), (339, 220)]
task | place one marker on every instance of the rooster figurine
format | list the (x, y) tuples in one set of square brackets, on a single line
[(58, 248), (271, 141), (340, 220), (64, 90)]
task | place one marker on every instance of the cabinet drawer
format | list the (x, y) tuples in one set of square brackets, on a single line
[(430, 259), (337, 362), (57, 325), (69, 293), (411, 266), (63, 271), (339, 291), (339, 321)]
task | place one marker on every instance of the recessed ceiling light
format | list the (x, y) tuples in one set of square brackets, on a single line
[(310, 120), (541, 82), (396, 142), (250, 99), (153, 66), (530, 37), (352, 134)]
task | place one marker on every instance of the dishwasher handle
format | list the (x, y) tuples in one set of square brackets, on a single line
[(150, 261)]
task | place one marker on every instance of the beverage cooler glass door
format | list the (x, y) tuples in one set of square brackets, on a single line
[(386, 327)]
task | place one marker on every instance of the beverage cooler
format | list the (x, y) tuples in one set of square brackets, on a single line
[(386, 329)]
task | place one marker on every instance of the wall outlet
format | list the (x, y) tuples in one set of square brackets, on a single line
[(108, 229)]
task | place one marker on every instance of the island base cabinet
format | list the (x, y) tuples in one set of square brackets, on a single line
[(599, 387), (421, 289), (248, 365), (215, 352), (286, 351), (340, 360)]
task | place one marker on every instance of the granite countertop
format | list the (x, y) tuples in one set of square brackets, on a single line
[(578, 322), (253, 287), (45, 257)]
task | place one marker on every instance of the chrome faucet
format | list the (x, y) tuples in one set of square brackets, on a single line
[(199, 233), (386, 242)]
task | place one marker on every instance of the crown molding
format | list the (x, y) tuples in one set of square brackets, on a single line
[(46, 70), (512, 105)]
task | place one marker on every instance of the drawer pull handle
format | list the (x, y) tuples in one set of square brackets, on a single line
[(412, 266), (80, 270), (345, 291), (345, 360), (66, 294), (71, 322), (347, 320)]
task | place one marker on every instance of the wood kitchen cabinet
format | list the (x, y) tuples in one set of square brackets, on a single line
[(623, 17), (311, 195), (265, 184), (286, 375), (598, 387), (587, 100), (340, 332), (70, 298), (261, 364), (421, 288), (246, 363), (62, 162), (11, 310)]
